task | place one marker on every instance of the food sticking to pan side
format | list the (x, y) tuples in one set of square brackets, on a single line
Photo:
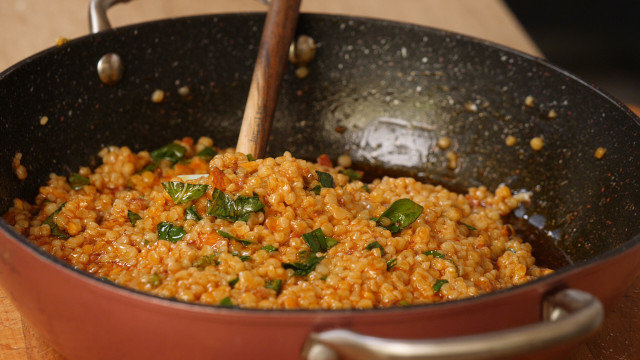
[(200, 224)]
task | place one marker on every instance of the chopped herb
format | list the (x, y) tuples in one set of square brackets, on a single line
[(399, 215), (325, 179), (376, 245), (434, 253), (231, 237), (439, 255), (53, 226), (324, 278), (468, 226), (269, 248), (207, 153), (273, 284), (133, 217), (241, 257), (438, 285), (226, 302), (172, 152), (308, 263), (146, 242), (234, 281), (510, 249), (168, 231), (403, 303), (318, 242), (182, 192), (192, 214), (391, 263), (154, 280), (352, 174), (316, 189), (366, 187), (250, 157), (77, 181), (223, 207), (205, 261)]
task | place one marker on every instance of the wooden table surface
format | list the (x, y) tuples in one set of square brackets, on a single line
[(28, 26)]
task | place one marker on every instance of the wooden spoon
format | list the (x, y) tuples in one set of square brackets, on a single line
[(277, 34)]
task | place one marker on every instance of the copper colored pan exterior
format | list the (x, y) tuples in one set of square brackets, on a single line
[(590, 208)]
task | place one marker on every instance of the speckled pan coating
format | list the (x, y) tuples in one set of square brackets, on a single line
[(394, 88)]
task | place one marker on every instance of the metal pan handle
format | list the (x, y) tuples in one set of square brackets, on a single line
[(98, 20), (569, 315)]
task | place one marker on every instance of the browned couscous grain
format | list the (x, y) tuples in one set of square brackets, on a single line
[(108, 226), (44, 120), (536, 143), (157, 96), (61, 41), (18, 168), (510, 140), (444, 142), (528, 101), (471, 107), (600, 152), (552, 114), (452, 160)]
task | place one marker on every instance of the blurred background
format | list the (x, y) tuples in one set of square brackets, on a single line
[(598, 40)]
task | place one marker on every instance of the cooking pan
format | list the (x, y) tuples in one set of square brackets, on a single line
[(381, 91)]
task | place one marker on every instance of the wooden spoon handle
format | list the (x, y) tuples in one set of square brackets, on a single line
[(277, 34)]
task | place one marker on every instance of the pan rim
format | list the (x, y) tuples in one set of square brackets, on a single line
[(14, 236)]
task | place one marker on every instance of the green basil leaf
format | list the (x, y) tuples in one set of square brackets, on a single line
[(438, 285), (192, 214), (316, 189), (133, 217), (318, 242), (206, 260), (510, 249), (391, 263), (53, 226), (168, 231), (401, 214), (468, 226), (154, 280), (308, 263), (172, 152), (226, 302), (183, 192), (374, 245), (325, 179), (231, 237), (234, 281), (366, 187), (352, 174), (250, 157), (207, 153), (222, 206), (434, 253), (273, 284), (77, 181), (269, 248), (241, 257)]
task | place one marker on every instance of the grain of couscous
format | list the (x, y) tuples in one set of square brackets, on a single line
[(199, 224)]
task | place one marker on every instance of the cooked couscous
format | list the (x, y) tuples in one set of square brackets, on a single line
[(200, 224)]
